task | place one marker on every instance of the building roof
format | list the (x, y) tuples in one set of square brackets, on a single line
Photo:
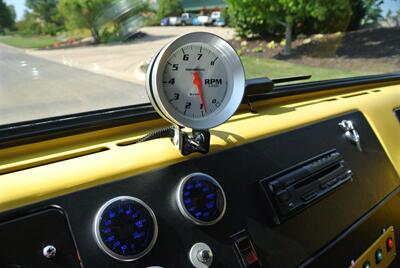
[(200, 4)]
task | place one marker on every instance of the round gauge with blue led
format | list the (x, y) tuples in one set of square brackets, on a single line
[(125, 228), (201, 199)]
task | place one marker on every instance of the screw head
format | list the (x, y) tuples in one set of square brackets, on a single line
[(49, 251), (204, 255)]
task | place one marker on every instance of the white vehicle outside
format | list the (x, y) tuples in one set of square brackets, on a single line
[(175, 21), (215, 15), (205, 20)]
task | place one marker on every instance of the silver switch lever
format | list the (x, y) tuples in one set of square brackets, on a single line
[(351, 133)]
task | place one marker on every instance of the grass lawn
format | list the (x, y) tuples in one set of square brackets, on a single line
[(28, 41), (261, 67)]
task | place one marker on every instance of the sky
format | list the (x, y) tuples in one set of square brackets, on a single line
[(19, 5)]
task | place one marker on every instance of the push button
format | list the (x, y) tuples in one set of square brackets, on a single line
[(378, 256), (389, 244), (247, 253), (366, 264)]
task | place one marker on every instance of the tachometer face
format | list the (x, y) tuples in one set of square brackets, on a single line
[(196, 81), (125, 228), (201, 199)]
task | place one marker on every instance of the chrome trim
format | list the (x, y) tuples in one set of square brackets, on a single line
[(100, 242), (234, 70), (185, 212)]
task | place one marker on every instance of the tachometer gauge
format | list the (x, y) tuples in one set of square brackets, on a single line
[(125, 228), (196, 81)]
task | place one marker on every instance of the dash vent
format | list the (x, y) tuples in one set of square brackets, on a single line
[(397, 113), (355, 95)]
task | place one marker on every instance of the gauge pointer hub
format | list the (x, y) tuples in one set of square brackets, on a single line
[(197, 82)]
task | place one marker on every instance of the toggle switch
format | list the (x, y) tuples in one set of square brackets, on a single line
[(246, 251)]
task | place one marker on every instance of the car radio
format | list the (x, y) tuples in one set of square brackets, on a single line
[(299, 186)]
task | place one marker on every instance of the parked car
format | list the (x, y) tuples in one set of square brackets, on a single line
[(215, 15), (204, 20), (187, 19), (174, 21), (219, 22), (164, 21)]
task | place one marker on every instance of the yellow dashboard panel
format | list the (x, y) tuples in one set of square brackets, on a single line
[(35, 172)]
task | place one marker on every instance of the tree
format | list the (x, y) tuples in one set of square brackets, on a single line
[(44, 9), (169, 8), (263, 17), (84, 14), (317, 10), (7, 16), (364, 11)]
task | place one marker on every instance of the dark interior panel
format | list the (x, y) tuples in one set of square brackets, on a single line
[(288, 243), (25, 239)]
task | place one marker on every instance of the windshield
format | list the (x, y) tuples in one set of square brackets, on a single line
[(61, 57)]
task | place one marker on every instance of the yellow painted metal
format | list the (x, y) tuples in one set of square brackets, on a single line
[(379, 244), (22, 183)]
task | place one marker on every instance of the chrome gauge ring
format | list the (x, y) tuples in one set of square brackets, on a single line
[(196, 81), (125, 228), (201, 199)]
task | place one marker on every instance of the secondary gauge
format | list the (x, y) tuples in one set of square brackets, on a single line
[(125, 228), (201, 199), (196, 81)]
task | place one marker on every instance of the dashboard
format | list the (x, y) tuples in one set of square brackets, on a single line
[(227, 206), (309, 180)]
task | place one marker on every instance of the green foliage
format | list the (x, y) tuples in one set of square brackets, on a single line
[(168, 8), (7, 16), (44, 9), (364, 12), (43, 18), (83, 14), (266, 17), (28, 25), (257, 50)]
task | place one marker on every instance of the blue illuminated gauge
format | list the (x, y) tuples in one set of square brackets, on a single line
[(125, 228), (201, 199)]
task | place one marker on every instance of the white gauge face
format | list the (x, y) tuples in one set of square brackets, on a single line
[(195, 81)]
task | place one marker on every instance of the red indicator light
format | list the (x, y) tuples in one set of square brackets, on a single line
[(389, 244)]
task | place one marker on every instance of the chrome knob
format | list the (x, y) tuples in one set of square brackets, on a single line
[(201, 255), (49, 251)]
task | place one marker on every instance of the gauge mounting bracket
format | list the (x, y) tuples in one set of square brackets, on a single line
[(196, 141)]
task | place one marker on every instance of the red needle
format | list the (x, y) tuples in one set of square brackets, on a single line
[(197, 82)]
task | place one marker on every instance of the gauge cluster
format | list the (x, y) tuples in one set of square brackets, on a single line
[(126, 229)]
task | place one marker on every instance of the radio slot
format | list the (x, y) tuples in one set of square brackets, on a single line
[(299, 186)]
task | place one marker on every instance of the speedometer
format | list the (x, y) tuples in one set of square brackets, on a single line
[(196, 81)]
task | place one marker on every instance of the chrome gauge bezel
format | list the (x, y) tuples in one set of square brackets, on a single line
[(235, 76), (103, 247), (185, 212)]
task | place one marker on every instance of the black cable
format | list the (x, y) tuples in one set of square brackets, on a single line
[(167, 132)]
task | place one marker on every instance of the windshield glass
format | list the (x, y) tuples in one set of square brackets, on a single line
[(60, 57)]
